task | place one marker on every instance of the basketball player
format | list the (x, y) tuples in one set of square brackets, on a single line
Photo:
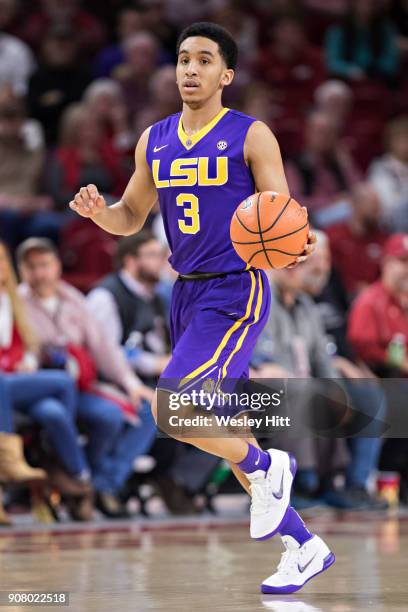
[(200, 164)]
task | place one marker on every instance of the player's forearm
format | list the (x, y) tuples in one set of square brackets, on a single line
[(119, 219)]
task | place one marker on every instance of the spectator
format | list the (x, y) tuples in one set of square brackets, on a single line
[(364, 45), (356, 244), (85, 155), (378, 323), (16, 59), (378, 332), (335, 98), (65, 327), (293, 345), (22, 158), (291, 65), (129, 21), (17, 351), (323, 174), (66, 13), (48, 397), (128, 304), (164, 96), (59, 80), (366, 395), (104, 100), (141, 59), (260, 102), (22, 164), (389, 175)]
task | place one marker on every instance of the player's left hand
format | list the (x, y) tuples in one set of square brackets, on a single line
[(308, 249)]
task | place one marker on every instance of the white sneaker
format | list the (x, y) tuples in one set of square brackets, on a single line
[(270, 494), (298, 565)]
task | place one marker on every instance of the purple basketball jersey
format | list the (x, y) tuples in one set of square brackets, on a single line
[(200, 180)]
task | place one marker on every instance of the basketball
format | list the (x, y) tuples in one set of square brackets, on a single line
[(269, 230)]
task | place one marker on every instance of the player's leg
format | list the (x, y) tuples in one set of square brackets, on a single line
[(239, 474), (214, 350), (263, 484)]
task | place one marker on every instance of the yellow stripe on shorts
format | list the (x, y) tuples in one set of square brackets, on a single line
[(226, 337), (245, 331)]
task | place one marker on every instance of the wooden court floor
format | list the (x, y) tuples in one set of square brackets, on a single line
[(204, 566)]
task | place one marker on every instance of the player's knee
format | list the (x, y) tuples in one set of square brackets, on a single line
[(163, 411)]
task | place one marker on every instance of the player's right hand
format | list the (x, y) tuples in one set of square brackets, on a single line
[(88, 202)]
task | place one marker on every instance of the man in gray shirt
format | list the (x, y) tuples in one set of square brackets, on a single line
[(293, 346)]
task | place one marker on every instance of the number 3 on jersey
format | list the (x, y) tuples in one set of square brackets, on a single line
[(191, 214)]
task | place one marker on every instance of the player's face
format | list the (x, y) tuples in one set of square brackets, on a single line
[(201, 71)]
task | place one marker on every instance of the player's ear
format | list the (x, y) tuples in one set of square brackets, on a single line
[(227, 77)]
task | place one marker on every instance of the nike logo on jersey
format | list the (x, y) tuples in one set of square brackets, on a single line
[(302, 568), (279, 493), (257, 461), (157, 149)]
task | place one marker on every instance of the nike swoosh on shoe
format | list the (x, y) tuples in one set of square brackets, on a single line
[(302, 568), (279, 494)]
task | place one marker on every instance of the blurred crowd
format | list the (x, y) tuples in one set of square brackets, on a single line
[(84, 329)]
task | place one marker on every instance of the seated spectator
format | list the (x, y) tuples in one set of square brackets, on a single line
[(22, 164), (46, 396), (378, 323), (293, 345), (16, 59), (129, 21), (21, 168), (378, 332), (59, 80), (335, 98), (261, 102), (127, 303), (367, 397), (17, 352), (324, 172), (364, 45), (84, 156), (67, 13), (67, 330), (356, 245), (141, 58), (104, 100), (389, 175), (164, 96), (291, 65)]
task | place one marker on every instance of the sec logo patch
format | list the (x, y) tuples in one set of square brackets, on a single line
[(222, 145)]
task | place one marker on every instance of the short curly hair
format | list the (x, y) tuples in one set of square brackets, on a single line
[(227, 45)]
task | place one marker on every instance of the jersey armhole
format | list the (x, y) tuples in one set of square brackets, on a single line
[(148, 147), (243, 144)]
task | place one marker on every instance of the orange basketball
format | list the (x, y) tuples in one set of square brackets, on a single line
[(269, 230)]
